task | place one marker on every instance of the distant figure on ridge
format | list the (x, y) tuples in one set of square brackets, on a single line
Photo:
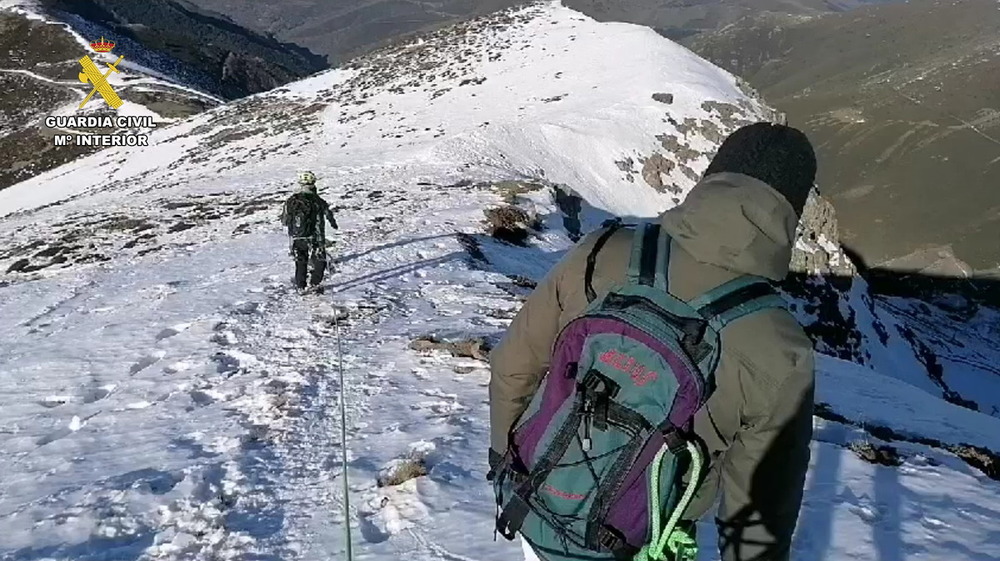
[(656, 365), (305, 214)]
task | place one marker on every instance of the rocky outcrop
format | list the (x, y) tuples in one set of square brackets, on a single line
[(655, 169), (243, 73), (818, 250), (821, 282)]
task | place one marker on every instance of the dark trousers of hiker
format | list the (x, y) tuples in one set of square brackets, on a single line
[(308, 253)]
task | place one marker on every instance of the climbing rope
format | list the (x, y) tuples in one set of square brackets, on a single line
[(343, 436), (670, 539)]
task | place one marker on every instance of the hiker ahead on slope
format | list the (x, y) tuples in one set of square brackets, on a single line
[(624, 420), (305, 214)]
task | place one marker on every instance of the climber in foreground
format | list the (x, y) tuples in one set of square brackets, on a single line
[(305, 214), (656, 365)]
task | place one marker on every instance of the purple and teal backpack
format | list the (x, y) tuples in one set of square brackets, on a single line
[(593, 471)]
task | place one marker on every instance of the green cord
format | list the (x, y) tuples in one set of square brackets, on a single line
[(670, 538)]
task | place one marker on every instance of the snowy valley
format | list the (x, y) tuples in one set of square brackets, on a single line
[(166, 395)]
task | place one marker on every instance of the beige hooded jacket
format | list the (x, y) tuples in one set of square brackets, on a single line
[(757, 425)]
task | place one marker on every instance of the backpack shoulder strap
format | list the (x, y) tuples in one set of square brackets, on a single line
[(588, 277), (289, 208), (649, 259), (650, 256), (739, 297)]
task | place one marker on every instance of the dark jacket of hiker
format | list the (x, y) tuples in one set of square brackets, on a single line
[(757, 425), (308, 247), (315, 206)]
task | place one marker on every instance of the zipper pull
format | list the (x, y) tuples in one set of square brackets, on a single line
[(587, 420)]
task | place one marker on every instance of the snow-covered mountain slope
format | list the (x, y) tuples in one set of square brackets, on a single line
[(942, 344), (932, 332), (166, 396), (409, 97)]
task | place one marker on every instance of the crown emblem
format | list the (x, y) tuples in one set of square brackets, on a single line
[(103, 46)]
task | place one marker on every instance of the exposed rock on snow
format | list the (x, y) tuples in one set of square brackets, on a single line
[(471, 348)]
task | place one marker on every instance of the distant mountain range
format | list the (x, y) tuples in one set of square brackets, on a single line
[(900, 97), (343, 28), (903, 102), (682, 20)]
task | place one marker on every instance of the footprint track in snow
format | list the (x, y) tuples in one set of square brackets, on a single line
[(391, 510), (439, 393), (74, 425), (230, 362), (87, 396), (146, 361), (439, 409), (225, 338), (206, 396), (172, 331), (53, 401), (435, 549), (95, 394), (146, 481)]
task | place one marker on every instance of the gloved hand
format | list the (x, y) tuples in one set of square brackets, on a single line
[(494, 459)]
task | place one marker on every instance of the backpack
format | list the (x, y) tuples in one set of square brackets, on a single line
[(301, 216), (593, 471)]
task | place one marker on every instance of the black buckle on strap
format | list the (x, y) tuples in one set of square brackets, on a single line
[(512, 517), (693, 340), (673, 439), (598, 390), (613, 541)]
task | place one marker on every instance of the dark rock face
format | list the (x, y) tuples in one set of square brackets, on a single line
[(208, 50), (252, 74)]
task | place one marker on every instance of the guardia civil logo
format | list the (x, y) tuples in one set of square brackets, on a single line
[(93, 75), (83, 128)]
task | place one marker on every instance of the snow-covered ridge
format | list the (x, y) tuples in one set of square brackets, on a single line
[(508, 80)]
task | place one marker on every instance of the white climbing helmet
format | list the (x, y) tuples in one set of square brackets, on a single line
[(307, 178)]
